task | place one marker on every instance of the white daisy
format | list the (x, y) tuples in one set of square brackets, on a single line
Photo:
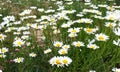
[(32, 54), (78, 44), (63, 51), (18, 42), (2, 37), (18, 59), (101, 37), (58, 44)]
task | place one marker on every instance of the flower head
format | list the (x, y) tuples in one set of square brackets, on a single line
[(18, 43), (77, 44), (58, 44), (2, 37), (18, 59), (101, 37), (32, 54)]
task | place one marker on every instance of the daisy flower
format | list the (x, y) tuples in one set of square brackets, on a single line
[(66, 46), (58, 44), (4, 50), (18, 43), (18, 59), (56, 61), (110, 24), (2, 37), (90, 30), (72, 35), (66, 60), (78, 44), (74, 30), (47, 51), (32, 54), (101, 37), (63, 51), (92, 46)]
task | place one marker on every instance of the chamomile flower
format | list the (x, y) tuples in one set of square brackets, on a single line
[(18, 42), (40, 9), (66, 60), (32, 54), (84, 20), (63, 51), (110, 24), (2, 37), (78, 44), (66, 46), (18, 59), (92, 46), (90, 30), (65, 25), (101, 37), (47, 51), (58, 44), (3, 50), (72, 35), (74, 30), (56, 61)]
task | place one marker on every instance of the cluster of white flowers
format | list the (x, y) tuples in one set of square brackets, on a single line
[(3, 51), (60, 61)]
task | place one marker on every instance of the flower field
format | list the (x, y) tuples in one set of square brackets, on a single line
[(59, 36)]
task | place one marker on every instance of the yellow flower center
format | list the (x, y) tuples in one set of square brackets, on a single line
[(89, 30), (110, 25), (101, 38), (58, 62), (3, 50), (92, 46), (74, 30), (19, 43), (78, 44), (80, 21), (63, 52), (65, 61), (111, 18), (19, 60), (65, 46), (87, 21), (58, 45), (116, 71)]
